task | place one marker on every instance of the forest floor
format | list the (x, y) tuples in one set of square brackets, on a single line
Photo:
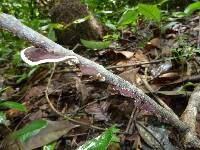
[(165, 64)]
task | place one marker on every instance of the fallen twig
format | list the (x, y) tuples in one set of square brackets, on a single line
[(130, 125), (141, 63), (13, 25)]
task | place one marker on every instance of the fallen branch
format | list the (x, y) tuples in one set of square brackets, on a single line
[(125, 88), (139, 63), (190, 139)]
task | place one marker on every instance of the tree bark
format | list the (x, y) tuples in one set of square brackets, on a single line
[(67, 11)]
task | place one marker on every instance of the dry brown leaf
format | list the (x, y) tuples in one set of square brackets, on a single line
[(81, 88), (35, 91), (140, 56), (137, 143), (130, 75), (53, 131), (155, 137), (148, 137), (99, 111), (8, 92), (155, 42), (37, 115), (170, 75), (127, 54)]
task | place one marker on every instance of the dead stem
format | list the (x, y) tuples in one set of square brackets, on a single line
[(129, 128)]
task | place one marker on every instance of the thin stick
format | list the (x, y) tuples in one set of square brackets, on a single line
[(13, 25), (140, 63), (59, 113), (129, 128)]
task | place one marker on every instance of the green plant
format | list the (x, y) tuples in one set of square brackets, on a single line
[(183, 52), (11, 105), (184, 87), (150, 12), (26, 75), (107, 9), (191, 8), (112, 37), (102, 141), (188, 10), (49, 146), (3, 119), (27, 11), (95, 45), (29, 130)]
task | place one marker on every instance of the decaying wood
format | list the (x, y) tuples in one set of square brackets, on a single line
[(13, 25), (67, 11), (190, 139)]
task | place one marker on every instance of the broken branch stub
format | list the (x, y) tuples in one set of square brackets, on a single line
[(11, 24)]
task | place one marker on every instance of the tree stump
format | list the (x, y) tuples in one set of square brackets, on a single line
[(67, 11)]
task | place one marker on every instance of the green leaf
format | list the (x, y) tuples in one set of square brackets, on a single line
[(95, 44), (13, 105), (21, 77), (191, 8), (82, 19), (57, 26), (151, 12), (16, 59), (2, 118), (162, 2), (178, 14), (50, 146), (29, 130), (3, 89), (52, 132), (185, 86), (51, 35), (129, 16), (110, 25), (101, 142)]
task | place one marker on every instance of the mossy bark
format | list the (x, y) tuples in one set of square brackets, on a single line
[(67, 11)]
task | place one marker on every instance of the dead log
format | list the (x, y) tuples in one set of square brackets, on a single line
[(65, 12)]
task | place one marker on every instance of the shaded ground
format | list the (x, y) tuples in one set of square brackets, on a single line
[(167, 69)]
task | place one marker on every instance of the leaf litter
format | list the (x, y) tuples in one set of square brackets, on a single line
[(70, 91)]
